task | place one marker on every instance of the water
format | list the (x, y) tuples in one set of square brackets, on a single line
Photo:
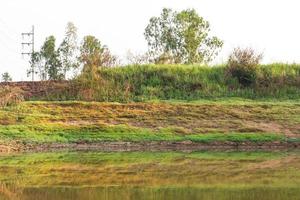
[(150, 175)]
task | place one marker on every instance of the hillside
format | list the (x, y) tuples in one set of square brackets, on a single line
[(224, 120), (167, 82)]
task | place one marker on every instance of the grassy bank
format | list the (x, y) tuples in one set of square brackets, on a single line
[(202, 121), (182, 82)]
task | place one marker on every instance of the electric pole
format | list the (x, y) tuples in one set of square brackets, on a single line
[(30, 43)]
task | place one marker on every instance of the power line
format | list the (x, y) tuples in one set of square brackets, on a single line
[(29, 43)]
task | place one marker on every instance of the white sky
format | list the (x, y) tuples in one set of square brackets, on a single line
[(271, 27)]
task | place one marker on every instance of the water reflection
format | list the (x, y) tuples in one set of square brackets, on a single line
[(115, 193), (148, 175)]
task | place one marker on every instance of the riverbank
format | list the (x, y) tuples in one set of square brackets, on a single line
[(200, 125), (186, 146)]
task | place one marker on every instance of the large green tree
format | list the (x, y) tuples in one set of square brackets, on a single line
[(181, 37)]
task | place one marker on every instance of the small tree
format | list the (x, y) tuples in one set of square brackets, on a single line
[(181, 37), (92, 53), (243, 65), (51, 61), (6, 77), (68, 49)]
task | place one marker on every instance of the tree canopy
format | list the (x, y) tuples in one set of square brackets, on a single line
[(181, 37)]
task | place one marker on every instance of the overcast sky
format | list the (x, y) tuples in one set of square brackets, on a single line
[(272, 27)]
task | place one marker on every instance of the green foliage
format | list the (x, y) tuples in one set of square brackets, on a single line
[(51, 61), (178, 82), (243, 66), (5, 77), (68, 49), (181, 37), (93, 54), (148, 82)]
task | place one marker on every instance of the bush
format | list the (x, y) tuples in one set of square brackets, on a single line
[(243, 66), (10, 96)]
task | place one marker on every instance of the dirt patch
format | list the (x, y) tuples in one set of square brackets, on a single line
[(269, 127), (6, 147), (155, 146)]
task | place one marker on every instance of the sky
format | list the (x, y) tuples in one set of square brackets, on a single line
[(270, 27)]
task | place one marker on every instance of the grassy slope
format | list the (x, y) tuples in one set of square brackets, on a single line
[(200, 121), (195, 82), (181, 82)]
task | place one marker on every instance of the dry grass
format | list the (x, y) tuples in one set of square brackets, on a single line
[(185, 118), (199, 122), (10, 96)]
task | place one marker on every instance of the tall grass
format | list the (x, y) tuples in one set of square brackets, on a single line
[(10, 96), (182, 82)]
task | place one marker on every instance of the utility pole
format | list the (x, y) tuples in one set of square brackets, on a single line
[(29, 44)]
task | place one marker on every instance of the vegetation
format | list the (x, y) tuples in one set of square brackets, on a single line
[(6, 77), (243, 66), (69, 122), (52, 63), (68, 50), (181, 82), (10, 96), (181, 37)]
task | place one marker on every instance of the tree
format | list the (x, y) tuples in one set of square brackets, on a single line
[(68, 49), (181, 37), (162, 37), (50, 58), (36, 66), (93, 54), (6, 77)]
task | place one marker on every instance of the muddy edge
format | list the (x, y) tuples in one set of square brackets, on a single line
[(152, 146)]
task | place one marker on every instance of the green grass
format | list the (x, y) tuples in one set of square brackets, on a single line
[(61, 134), (182, 82), (203, 121)]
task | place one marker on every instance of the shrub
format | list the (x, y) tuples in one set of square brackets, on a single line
[(10, 96), (243, 66)]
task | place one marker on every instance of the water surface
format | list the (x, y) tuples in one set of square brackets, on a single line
[(151, 175)]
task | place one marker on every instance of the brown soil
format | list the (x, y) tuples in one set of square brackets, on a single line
[(153, 146)]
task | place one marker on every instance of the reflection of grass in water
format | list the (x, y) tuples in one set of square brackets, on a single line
[(10, 192), (129, 157), (162, 193), (200, 169)]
